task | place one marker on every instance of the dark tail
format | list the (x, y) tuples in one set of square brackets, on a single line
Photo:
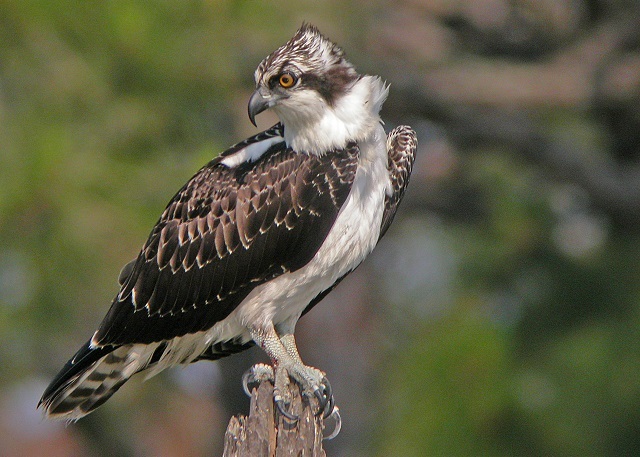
[(90, 378)]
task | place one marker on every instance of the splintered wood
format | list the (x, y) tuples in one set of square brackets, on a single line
[(268, 434)]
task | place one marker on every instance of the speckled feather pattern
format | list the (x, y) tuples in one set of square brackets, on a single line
[(308, 51), (402, 144), (227, 231)]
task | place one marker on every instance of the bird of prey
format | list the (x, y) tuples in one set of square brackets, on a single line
[(257, 236)]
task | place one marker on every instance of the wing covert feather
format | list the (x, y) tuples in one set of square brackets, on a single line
[(402, 143), (225, 232)]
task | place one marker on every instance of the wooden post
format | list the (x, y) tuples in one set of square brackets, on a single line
[(269, 434)]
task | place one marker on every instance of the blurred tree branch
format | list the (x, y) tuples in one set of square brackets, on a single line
[(502, 102)]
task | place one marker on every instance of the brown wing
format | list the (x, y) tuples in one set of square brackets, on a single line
[(224, 233), (401, 147)]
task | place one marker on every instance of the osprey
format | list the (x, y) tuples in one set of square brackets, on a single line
[(257, 237)]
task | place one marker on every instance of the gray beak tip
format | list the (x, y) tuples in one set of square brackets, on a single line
[(257, 104), (252, 118)]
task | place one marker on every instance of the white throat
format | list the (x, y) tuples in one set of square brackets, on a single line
[(314, 127)]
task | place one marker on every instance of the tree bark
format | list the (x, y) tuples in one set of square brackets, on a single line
[(267, 433)]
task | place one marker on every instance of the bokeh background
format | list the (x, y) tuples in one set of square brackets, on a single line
[(500, 316)]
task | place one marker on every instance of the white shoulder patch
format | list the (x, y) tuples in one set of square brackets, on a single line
[(250, 153)]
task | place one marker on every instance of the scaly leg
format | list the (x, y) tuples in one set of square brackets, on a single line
[(322, 390), (287, 364)]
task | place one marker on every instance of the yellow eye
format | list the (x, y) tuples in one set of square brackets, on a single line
[(287, 80)]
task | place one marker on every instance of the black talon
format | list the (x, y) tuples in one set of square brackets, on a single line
[(254, 376), (323, 400), (247, 378), (328, 407), (326, 404), (281, 408), (331, 406), (327, 387)]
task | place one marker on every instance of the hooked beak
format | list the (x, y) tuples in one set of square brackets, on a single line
[(257, 104)]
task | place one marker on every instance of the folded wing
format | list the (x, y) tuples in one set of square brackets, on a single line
[(228, 230)]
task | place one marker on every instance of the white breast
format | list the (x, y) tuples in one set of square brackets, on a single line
[(352, 237)]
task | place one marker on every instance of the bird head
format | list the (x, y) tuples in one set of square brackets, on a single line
[(302, 79)]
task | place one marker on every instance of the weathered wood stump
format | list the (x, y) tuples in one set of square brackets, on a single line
[(267, 433)]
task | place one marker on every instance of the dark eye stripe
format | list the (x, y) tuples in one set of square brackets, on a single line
[(273, 81), (330, 84)]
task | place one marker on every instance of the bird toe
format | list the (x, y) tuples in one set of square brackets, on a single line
[(256, 375)]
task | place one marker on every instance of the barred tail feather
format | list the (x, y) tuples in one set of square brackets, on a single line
[(91, 377)]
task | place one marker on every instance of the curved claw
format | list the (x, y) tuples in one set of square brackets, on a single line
[(325, 403), (257, 374), (282, 409), (327, 387), (329, 409), (322, 399), (247, 378), (335, 413), (325, 398)]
